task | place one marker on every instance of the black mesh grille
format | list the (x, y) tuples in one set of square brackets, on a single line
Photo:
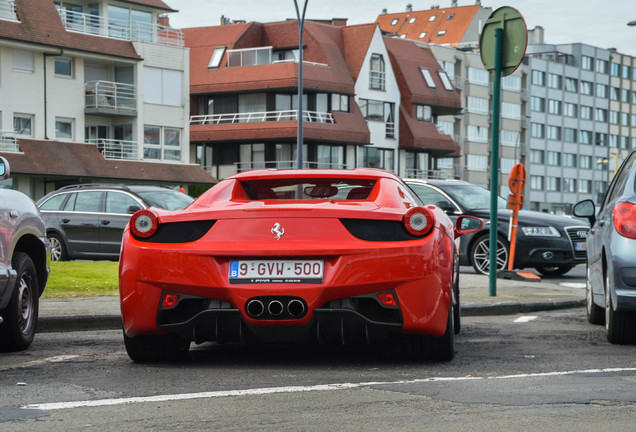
[(377, 230), (578, 234), (179, 232)]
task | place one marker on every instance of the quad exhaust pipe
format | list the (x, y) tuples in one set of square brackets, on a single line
[(276, 308)]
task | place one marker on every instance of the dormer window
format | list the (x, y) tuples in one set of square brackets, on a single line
[(412, 20), (432, 18), (441, 33), (422, 35), (428, 77), (395, 21), (217, 55)]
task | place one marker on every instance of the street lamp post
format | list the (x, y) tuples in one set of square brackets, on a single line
[(299, 118)]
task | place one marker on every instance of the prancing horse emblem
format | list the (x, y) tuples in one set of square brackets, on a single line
[(277, 231)]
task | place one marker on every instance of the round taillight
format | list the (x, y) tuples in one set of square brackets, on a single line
[(144, 223), (419, 221)]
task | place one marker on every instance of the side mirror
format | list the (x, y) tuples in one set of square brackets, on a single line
[(4, 168), (132, 209), (585, 209), (467, 225)]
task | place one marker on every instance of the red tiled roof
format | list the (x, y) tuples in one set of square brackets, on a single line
[(54, 158), (455, 27), (157, 4), (416, 134), (322, 44), (356, 43), (407, 58), (41, 24)]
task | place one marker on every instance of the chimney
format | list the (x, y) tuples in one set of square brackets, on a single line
[(409, 7), (385, 11), (454, 3), (163, 20)]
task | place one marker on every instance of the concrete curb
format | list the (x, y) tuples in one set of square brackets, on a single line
[(52, 324)]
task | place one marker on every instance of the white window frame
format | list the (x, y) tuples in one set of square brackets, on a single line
[(163, 86), (216, 57), (64, 121), (71, 67), (427, 77), (23, 61), (28, 117)]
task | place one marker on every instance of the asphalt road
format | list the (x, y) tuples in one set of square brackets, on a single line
[(540, 372)]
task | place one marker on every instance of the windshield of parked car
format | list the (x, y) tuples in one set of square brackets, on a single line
[(311, 188), (471, 197), (169, 199)]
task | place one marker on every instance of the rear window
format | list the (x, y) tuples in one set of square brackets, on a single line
[(169, 199), (309, 188)]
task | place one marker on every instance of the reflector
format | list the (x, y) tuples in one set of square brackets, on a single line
[(169, 300), (387, 299)]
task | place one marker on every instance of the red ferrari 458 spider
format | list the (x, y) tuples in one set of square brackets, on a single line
[(333, 256)]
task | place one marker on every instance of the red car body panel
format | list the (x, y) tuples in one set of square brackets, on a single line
[(419, 271)]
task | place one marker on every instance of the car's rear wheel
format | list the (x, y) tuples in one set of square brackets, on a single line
[(156, 348), (21, 315), (480, 254), (554, 271), (425, 347), (58, 250), (595, 313), (619, 325)]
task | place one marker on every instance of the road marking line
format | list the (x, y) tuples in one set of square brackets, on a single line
[(55, 359), (294, 389), (573, 284), (526, 318)]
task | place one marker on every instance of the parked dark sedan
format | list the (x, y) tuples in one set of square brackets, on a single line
[(551, 244), (611, 261), (87, 221), (24, 269)]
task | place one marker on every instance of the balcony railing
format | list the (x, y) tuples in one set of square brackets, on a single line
[(258, 56), (7, 10), (390, 130), (118, 29), (259, 117), (376, 80), (116, 149), (110, 95), (8, 142), (428, 174), (247, 166)]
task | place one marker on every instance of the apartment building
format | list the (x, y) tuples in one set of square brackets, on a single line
[(622, 108), (244, 84), (93, 91)]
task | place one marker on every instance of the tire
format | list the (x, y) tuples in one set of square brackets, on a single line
[(554, 271), (425, 347), (21, 315), (480, 254), (595, 313), (619, 326), (58, 249), (156, 348)]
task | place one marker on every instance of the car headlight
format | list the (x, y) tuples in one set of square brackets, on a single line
[(541, 231)]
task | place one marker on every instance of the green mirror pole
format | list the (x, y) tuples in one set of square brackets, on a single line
[(494, 163)]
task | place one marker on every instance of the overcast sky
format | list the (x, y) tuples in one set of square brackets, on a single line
[(593, 22)]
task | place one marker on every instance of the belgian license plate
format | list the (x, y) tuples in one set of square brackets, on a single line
[(276, 271), (580, 246)]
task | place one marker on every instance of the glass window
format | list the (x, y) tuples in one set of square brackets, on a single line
[(538, 78), (63, 67), (569, 109), (217, 55), (536, 156), (163, 86), (601, 90), (339, 102), (22, 125), (554, 133), (510, 138), (428, 77), (569, 135), (54, 203), (422, 35), (477, 133), (537, 104), (537, 130), (64, 129), (376, 72), (571, 85), (88, 202), (585, 137), (600, 114), (118, 202), (510, 110), (478, 76), (585, 186), (585, 112), (554, 158), (553, 184), (536, 182), (554, 106), (569, 185), (554, 81), (511, 82), (152, 142), (478, 105), (172, 144), (614, 93), (585, 87), (585, 161), (601, 66), (477, 162), (587, 63), (424, 113), (614, 69), (445, 80)]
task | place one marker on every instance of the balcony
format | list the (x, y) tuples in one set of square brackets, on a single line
[(110, 98), (7, 10), (248, 166), (116, 149), (8, 143), (259, 117), (429, 174), (258, 56), (124, 30)]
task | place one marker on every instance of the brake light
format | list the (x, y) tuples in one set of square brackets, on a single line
[(625, 219), (144, 223), (169, 300), (419, 221), (387, 299)]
